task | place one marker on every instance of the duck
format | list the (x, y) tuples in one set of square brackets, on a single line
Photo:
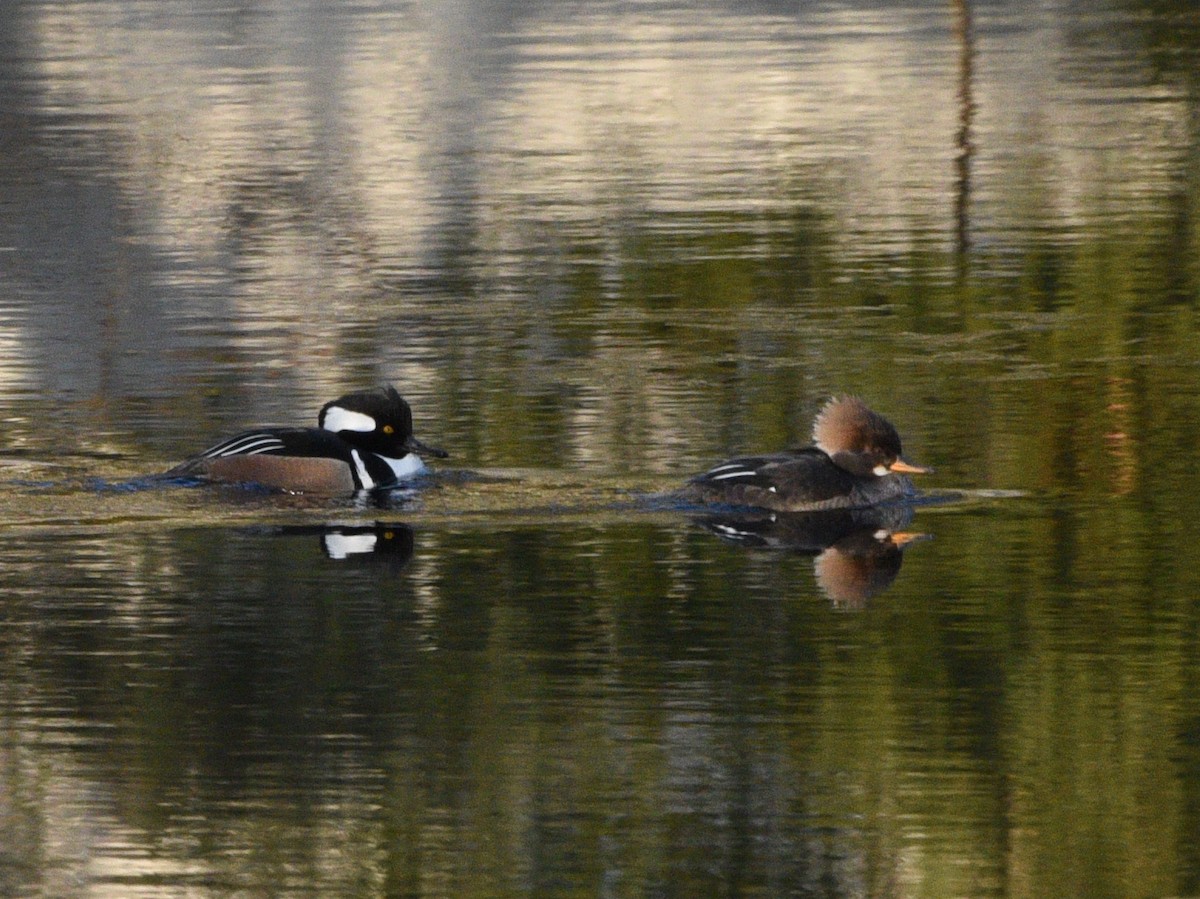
[(363, 441), (855, 462)]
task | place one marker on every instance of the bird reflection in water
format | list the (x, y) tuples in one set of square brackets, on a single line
[(388, 544), (858, 553)]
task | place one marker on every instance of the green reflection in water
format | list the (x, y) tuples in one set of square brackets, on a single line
[(560, 707), (556, 694)]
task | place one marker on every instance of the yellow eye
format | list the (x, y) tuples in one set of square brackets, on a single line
[(388, 429)]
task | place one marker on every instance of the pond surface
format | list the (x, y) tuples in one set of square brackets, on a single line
[(600, 246)]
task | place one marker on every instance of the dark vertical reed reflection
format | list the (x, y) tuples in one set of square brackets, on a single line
[(964, 34)]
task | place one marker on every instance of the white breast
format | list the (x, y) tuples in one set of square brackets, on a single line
[(407, 466)]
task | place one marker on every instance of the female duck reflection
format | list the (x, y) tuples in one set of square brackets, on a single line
[(843, 498), (858, 551)]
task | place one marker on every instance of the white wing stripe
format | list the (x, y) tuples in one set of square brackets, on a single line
[(245, 445), (254, 447), (739, 473), (725, 466)]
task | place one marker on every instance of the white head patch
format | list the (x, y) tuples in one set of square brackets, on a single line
[(339, 419), (339, 545), (881, 470)]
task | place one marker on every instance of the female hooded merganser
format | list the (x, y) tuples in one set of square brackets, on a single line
[(855, 464), (364, 441)]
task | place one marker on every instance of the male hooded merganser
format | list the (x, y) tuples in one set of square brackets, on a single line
[(365, 441), (855, 464)]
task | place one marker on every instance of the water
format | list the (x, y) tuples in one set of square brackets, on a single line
[(599, 246)]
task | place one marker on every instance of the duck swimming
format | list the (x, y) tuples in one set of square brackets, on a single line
[(855, 463), (364, 441)]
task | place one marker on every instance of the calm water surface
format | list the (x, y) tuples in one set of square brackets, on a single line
[(600, 246)]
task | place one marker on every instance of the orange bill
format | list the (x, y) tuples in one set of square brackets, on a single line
[(903, 538), (903, 467)]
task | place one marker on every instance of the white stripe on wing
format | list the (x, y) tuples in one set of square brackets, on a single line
[(737, 473), (245, 445)]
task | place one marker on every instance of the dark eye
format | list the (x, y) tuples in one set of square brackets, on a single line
[(388, 429)]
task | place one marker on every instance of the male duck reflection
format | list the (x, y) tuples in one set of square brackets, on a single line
[(364, 442), (855, 464)]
